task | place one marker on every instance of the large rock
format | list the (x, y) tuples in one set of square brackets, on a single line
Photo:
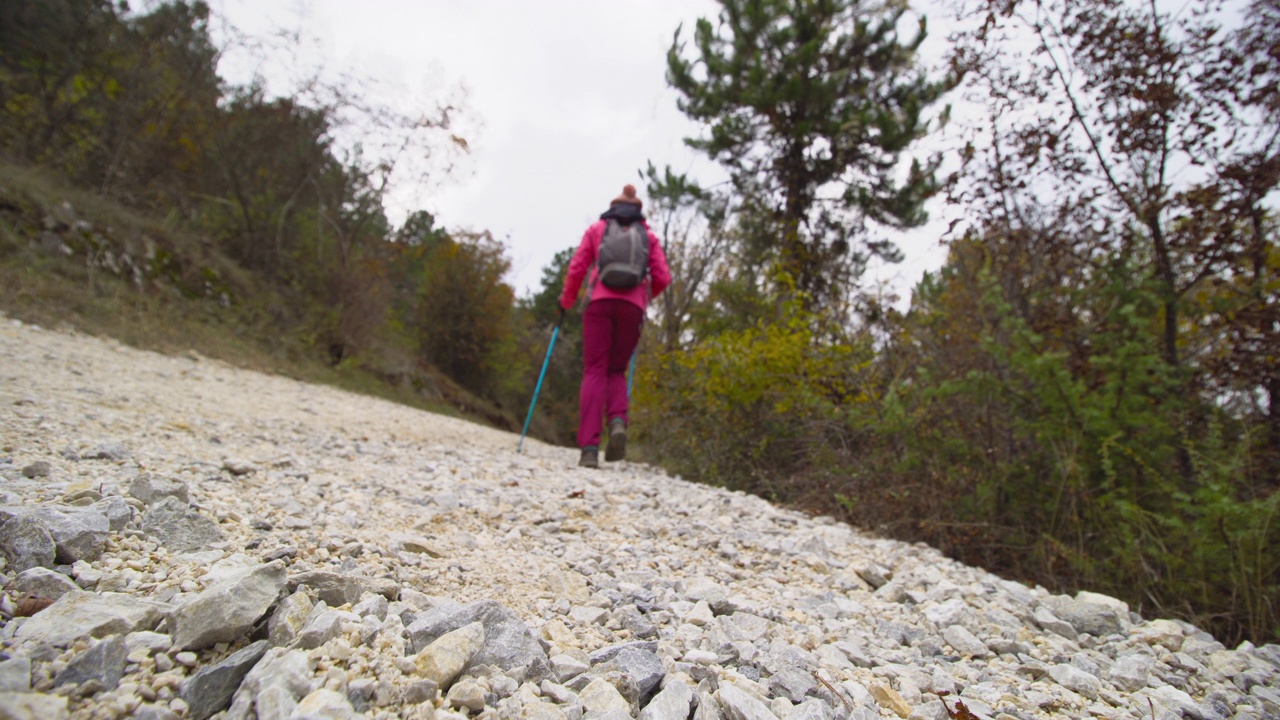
[(442, 660), (78, 614), (228, 609), (15, 675), (889, 699), (636, 673), (707, 590), (273, 687), (152, 642), (527, 705), (738, 704), (289, 618), (1087, 615), (815, 709), (601, 698), (1054, 624), (211, 688), (948, 613), (179, 527), (324, 705), (793, 683), (115, 510), (151, 488), (1165, 633), (32, 706), (337, 589), (745, 627), (320, 628), (42, 583), (372, 605), (707, 707), (1075, 679), (26, 543), (102, 665), (609, 652), (224, 568), (671, 704), (1131, 672), (965, 642), (1169, 699), (78, 533), (509, 644)]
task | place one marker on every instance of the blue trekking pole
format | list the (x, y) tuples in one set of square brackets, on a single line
[(631, 374), (554, 332)]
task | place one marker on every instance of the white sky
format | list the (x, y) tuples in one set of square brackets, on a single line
[(568, 99)]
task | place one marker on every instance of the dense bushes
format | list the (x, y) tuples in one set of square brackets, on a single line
[(750, 408), (964, 427), (1088, 394), (1062, 463)]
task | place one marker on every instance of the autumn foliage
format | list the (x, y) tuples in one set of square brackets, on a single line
[(1085, 395)]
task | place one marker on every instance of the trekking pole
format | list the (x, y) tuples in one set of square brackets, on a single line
[(554, 332), (631, 374)]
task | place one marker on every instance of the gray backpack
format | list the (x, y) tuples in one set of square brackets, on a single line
[(623, 260)]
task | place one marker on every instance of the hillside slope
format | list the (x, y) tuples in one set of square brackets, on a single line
[(213, 538), (73, 258)]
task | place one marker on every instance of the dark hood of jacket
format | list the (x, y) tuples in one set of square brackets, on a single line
[(624, 213)]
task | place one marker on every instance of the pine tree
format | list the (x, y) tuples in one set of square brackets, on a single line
[(810, 105)]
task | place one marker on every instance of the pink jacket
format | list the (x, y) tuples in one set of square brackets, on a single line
[(584, 264)]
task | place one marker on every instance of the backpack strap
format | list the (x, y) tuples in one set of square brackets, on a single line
[(595, 266)]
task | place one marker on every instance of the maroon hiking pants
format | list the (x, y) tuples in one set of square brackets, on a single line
[(610, 331)]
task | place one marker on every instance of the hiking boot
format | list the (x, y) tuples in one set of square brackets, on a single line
[(590, 457), (617, 441)]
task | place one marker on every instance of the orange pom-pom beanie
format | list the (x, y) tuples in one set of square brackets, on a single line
[(628, 196)]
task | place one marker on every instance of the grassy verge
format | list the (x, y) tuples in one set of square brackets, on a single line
[(72, 259)]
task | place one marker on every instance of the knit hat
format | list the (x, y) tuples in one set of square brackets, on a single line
[(628, 196)]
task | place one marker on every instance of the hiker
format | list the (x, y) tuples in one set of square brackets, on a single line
[(622, 276)]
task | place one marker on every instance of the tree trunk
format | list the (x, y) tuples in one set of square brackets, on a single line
[(1169, 346), (1272, 451)]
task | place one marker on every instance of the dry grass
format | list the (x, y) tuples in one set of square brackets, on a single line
[(42, 285)]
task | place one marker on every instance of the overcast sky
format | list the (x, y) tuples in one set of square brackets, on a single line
[(567, 98)]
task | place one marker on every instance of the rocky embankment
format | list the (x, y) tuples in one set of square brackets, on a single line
[(183, 539)]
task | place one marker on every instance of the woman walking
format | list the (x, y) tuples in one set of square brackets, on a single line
[(624, 266)]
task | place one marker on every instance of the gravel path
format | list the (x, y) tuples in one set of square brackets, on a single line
[(182, 538)]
